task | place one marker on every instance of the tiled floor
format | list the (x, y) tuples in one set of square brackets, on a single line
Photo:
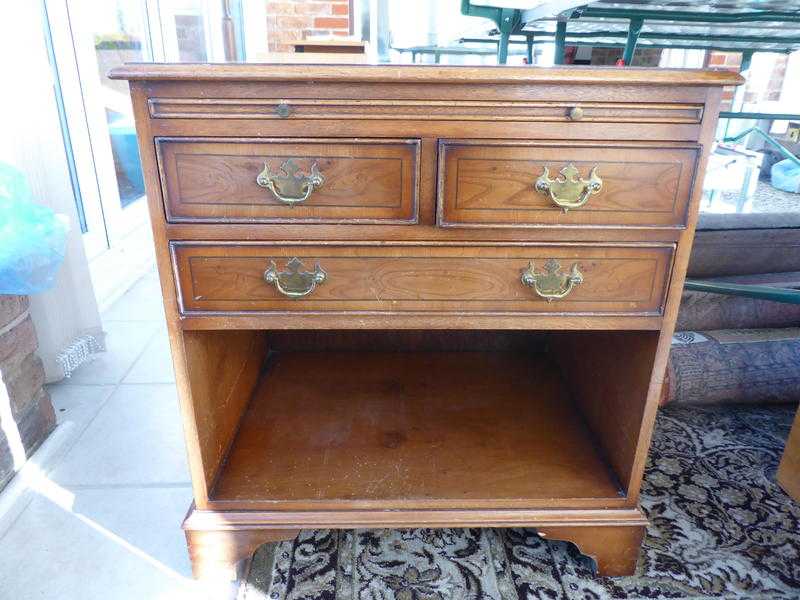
[(96, 514)]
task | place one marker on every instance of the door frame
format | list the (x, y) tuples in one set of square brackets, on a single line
[(108, 223)]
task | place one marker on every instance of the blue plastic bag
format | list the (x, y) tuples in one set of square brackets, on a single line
[(785, 176), (32, 238)]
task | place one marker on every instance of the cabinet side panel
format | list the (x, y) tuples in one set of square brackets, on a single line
[(223, 368), (156, 209), (608, 374), (709, 124), (789, 469)]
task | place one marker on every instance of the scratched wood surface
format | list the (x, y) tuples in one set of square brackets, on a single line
[(518, 439), (490, 184), (462, 429), (417, 278), (215, 180)]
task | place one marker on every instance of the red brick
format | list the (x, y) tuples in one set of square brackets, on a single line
[(292, 24), (284, 43), (23, 381), (340, 9), (733, 60), (37, 423), (22, 376), (11, 307), (313, 8), (287, 36), (331, 23), (19, 341), (280, 8)]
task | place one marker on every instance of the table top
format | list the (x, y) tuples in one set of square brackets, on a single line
[(424, 74)]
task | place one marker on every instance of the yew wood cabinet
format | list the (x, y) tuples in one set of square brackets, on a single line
[(413, 296)]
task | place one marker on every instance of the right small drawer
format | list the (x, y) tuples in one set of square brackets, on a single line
[(528, 184)]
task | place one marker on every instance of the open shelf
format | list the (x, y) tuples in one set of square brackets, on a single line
[(425, 429)]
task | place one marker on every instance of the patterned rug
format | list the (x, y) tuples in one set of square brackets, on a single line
[(720, 527)]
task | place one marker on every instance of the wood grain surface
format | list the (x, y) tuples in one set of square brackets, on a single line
[(418, 278), (412, 429), (493, 183), (215, 180), (556, 439), (789, 468), (425, 74), (426, 110)]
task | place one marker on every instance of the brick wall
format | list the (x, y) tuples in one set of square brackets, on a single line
[(21, 381), (293, 20), (729, 61), (754, 91), (642, 57), (772, 91)]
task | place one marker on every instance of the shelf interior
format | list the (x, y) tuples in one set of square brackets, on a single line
[(400, 429)]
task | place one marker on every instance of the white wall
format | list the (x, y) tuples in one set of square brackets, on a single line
[(31, 140)]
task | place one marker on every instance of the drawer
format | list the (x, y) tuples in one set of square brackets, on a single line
[(289, 181), (377, 109), (482, 279), (518, 184)]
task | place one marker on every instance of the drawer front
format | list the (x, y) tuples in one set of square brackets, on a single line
[(423, 110), (577, 279), (507, 184), (284, 181)]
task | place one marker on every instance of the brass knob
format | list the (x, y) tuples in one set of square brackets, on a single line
[(575, 113)]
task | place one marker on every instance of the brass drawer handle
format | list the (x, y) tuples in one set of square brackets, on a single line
[(294, 282), (569, 191), (289, 185), (551, 284)]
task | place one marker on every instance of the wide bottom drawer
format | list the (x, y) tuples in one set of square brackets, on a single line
[(579, 279)]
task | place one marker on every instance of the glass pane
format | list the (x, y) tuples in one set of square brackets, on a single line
[(183, 25), (190, 32), (753, 170), (119, 37), (65, 135)]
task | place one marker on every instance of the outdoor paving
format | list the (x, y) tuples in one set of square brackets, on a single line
[(96, 513)]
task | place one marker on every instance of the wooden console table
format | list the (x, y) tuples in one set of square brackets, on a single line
[(420, 296), (789, 468)]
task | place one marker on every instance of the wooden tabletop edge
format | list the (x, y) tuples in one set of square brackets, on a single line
[(423, 74)]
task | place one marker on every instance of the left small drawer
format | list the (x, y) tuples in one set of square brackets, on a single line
[(230, 180)]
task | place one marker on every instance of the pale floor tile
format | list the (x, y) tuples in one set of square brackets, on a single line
[(125, 342), (99, 544), (135, 439), (78, 403), (75, 406), (155, 363), (143, 302)]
